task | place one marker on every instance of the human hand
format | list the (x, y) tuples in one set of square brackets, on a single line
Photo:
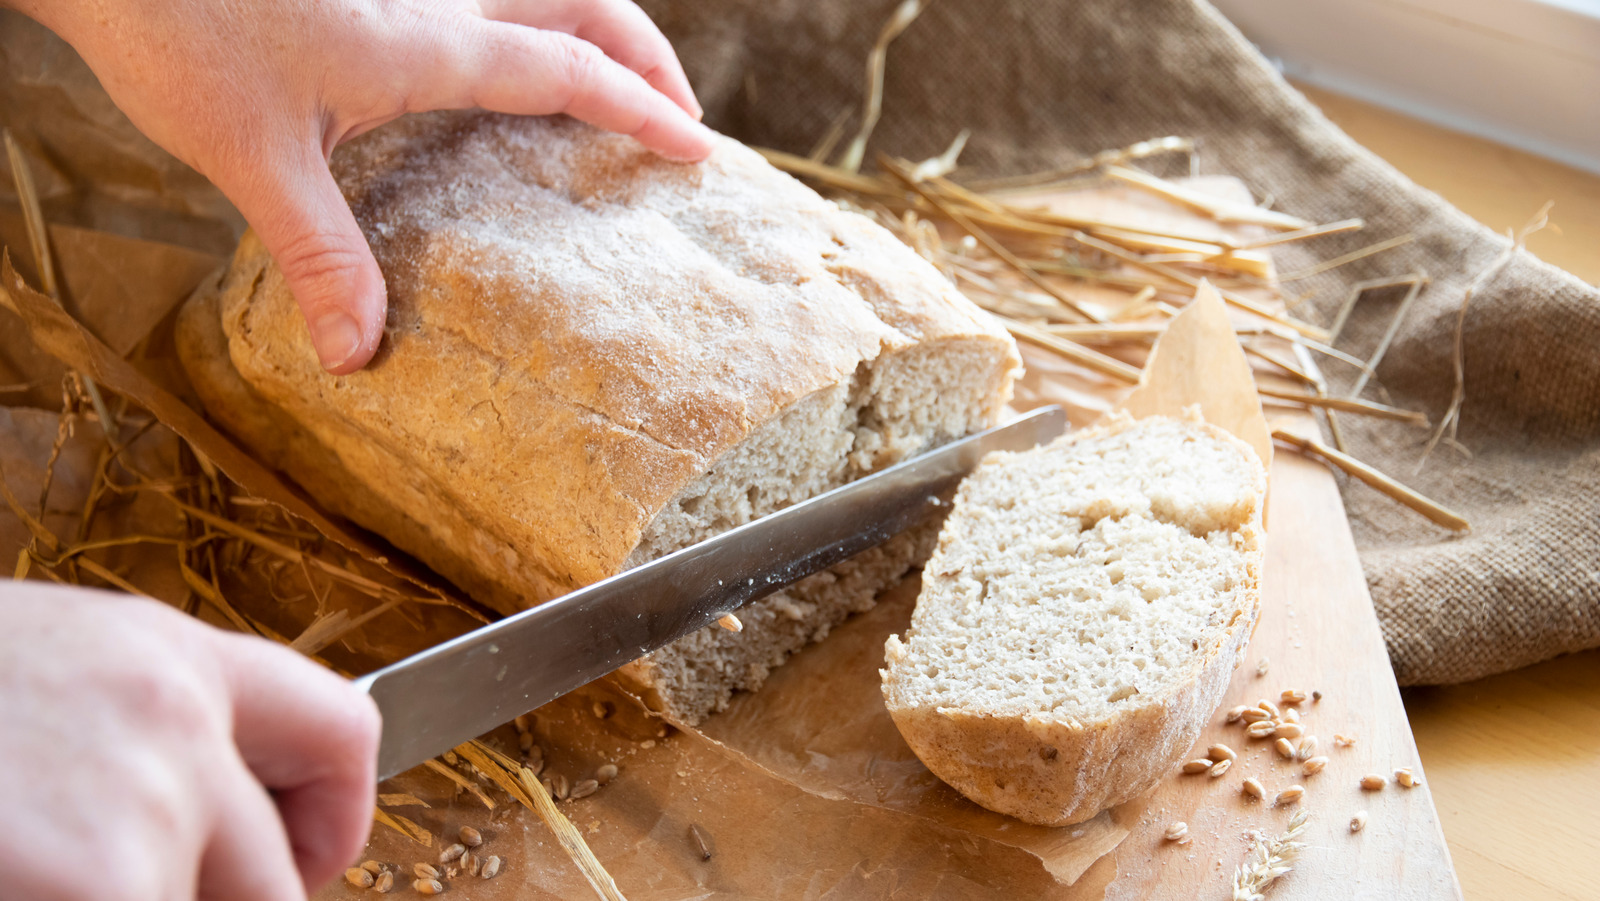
[(256, 96), (148, 757)]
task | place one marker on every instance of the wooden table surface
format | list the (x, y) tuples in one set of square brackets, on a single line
[(1514, 760)]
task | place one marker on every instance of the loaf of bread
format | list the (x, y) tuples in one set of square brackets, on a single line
[(594, 357), (1081, 615)]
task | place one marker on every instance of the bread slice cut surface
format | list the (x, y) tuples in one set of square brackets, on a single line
[(1080, 616)]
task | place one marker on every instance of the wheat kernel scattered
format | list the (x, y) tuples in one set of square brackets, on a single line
[(1220, 751), (525, 741), (1220, 767), (1290, 795), (451, 853), (470, 837), (1196, 766), (1262, 729), (1291, 715), (606, 773), (428, 887), (1405, 777), (730, 622), (1313, 766), (1291, 730), (1261, 668), (1373, 782), (1291, 696), (385, 883), (1254, 715), (1359, 821), (584, 789), (491, 867), (425, 871), (1308, 747), (524, 723), (1285, 748), (1235, 714), (1252, 787), (1344, 741), (1177, 831), (358, 877), (1269, 707)]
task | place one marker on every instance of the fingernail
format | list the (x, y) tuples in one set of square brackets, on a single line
[(337, 338), (699, 112)]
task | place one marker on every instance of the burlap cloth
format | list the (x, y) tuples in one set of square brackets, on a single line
[(1042, 83)]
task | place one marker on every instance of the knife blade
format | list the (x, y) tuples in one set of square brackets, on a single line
[(434, 700)]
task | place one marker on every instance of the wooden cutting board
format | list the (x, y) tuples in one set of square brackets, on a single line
[(1318, 632)]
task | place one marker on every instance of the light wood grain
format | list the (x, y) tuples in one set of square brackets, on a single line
[(1514, 760), (1490, 182)]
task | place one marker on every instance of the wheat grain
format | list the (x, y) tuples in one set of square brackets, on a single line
[(1177, 832), (1196, 766), (358, 877), (1263, 729), (1373, 782)]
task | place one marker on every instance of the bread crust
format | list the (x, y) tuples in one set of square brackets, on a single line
[(1051, 772), (577, 329)]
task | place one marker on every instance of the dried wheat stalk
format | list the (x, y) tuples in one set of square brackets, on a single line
[(1270, 860)]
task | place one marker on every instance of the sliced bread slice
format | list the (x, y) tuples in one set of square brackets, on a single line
[(1081, 615)]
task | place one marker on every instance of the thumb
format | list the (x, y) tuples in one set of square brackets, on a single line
[(297, 211)]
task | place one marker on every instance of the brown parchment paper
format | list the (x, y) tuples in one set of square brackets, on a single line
[(1197, 362)]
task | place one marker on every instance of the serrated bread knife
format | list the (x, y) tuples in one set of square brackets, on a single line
[(445, 695)]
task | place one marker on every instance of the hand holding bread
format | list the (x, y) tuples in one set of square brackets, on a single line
[(256, 96)]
